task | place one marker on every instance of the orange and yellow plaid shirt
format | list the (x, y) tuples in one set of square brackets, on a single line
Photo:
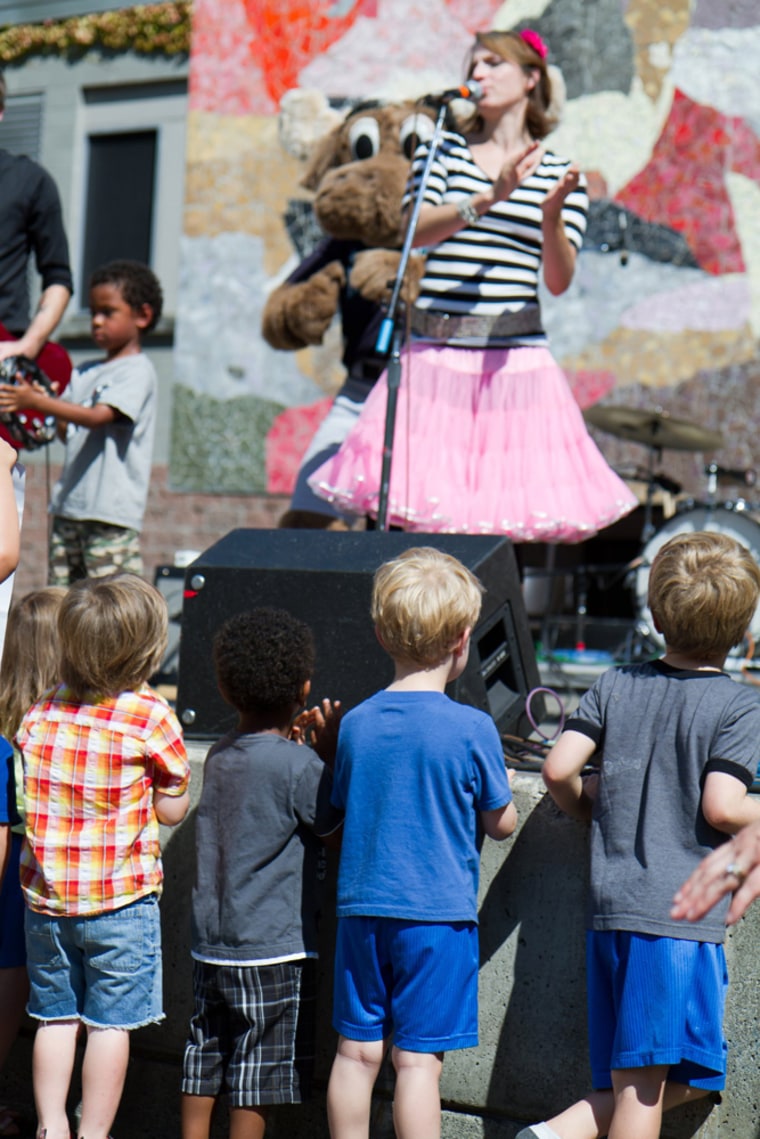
[(90, 771)]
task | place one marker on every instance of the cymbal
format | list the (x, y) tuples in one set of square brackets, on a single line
[(655, 428)]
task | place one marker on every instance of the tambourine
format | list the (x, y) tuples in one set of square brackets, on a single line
[(52, 371), (27, 428)]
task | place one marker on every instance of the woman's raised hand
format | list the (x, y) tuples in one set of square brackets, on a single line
[(555, 199), (516, 169)]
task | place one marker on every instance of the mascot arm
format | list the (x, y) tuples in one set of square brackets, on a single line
[(374, 272), (299, 314)]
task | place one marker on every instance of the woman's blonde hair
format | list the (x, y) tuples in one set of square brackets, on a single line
[(542, 114), (422, 602), (30, 663), (113, 633), (703, 592)]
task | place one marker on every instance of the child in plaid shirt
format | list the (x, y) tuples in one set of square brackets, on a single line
[(104, 763)]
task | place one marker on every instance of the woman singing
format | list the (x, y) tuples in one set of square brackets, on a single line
[(489, 438)]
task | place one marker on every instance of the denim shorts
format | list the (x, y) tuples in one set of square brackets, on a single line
[(103, 969)]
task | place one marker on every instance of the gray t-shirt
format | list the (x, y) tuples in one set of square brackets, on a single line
[(257, 896), (659, 731), (106, 470)]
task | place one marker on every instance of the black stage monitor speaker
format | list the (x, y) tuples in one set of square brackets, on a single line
[(325, 579)]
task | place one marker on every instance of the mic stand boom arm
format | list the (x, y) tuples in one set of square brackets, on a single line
[(390, 332)]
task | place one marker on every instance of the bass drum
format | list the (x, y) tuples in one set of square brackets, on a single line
[(728, 519)]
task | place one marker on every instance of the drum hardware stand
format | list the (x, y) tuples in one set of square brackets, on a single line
[(654, 480)]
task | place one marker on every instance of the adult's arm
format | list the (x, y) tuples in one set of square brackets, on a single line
[(48, 316), (9, 529), (435, 223), (47, 239), (559, 253)]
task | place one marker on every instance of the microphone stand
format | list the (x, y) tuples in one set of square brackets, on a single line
[(391, 333)]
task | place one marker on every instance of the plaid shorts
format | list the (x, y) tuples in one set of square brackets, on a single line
[(252, 1032), (90, 549)]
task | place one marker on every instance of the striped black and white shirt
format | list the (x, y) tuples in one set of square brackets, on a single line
[(491, 267)]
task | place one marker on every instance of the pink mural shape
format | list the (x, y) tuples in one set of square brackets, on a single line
[(589, 386), (287, 440), (684, 183), (475, 15)]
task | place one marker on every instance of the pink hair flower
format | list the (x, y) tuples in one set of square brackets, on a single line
[(534, 40)]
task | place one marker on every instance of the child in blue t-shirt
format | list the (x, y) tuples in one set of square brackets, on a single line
[(420, 778)]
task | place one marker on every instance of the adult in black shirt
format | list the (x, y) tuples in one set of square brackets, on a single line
[(31, 221)]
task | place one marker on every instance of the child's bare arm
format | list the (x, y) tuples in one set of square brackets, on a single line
[(726, 804), (26, 396), (170, 809), (562, 774), (500, 823), (9, 531)]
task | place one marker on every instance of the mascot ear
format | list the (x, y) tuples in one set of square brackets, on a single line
[(305, 118), (323, 157)]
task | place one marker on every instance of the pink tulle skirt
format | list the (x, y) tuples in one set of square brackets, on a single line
[(487, 441)]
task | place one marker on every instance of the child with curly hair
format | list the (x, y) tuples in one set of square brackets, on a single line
[(263, 813)]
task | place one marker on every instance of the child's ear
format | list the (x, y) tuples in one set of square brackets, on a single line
[(143, 315), (304, 693), (462, 643)]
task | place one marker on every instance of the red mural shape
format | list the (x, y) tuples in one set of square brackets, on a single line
[(684, 183), (288, 34), (287, 440)]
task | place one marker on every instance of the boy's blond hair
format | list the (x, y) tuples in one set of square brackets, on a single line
[(113, 634), (422, 601), (703, 592)]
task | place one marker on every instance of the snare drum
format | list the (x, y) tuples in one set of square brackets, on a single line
[(729, 518)]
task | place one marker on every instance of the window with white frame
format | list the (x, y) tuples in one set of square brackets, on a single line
[(132, 178)]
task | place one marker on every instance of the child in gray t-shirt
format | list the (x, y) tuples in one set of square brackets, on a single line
[(263, 812), (677, 743), (106, 418)]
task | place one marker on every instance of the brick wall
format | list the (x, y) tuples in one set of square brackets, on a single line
[(172, 522)]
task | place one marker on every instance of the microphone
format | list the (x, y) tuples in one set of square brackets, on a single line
[(471, 90)]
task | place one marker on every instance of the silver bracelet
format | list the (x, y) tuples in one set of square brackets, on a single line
[(467, 211)]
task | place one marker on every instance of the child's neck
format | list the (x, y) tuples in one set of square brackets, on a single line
[(131, 348), (694, 664), (411, 677), (250, 723)]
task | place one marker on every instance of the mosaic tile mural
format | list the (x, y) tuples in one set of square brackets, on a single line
[(663, 114)]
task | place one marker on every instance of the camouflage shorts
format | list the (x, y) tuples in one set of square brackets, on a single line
[(91, 549)]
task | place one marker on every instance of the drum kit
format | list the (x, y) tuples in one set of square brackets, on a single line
[(658, 430)]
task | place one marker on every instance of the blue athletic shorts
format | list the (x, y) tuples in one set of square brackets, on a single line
[(656, 1000), (104, 970), (12, 944), (414, 982)]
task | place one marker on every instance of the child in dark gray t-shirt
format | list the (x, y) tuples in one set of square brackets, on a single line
[(677, 743), (263, 812)]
